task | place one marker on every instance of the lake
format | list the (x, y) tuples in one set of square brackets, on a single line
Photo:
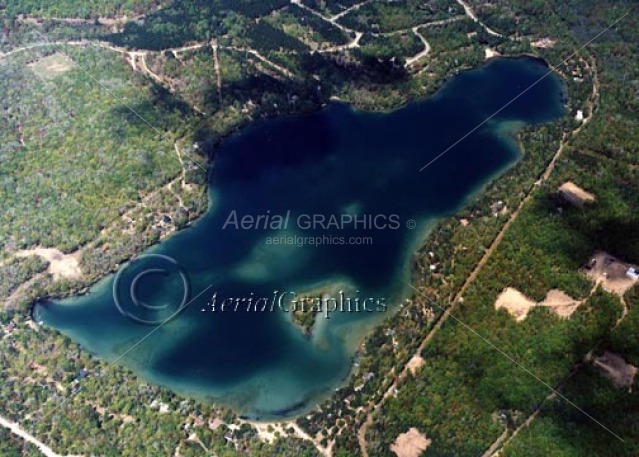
[(329, 206)]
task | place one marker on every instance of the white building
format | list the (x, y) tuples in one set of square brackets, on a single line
[(633, 274)]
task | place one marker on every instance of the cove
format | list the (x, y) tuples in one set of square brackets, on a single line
[(337, 164)]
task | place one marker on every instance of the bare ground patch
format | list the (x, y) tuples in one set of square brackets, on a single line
[(269, 433), (51, 66), (543, 43), (575, 194), (61, 266), (613, 367), (410, 444), (560, 303), (518, 305), (490, 53), (614, 275), (415, 363)]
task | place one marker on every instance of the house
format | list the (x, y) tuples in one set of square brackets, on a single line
[(633, 274), (496, 208), (82, 374)]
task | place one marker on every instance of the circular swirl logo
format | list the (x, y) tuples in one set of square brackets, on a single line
[(151, 289)]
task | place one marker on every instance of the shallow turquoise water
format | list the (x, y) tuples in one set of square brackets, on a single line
[(338, 162)]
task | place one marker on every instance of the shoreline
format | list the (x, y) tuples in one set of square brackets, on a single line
[(243, 127), (418, 242), (252, 124)]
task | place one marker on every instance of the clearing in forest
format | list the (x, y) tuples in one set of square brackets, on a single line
[(575, 194), (615, 276), (61, 266), (410, 444), (613, 367), (415, 363), (51, 66), (518, 305)]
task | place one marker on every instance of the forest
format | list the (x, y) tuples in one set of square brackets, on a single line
[(467, 394), (42, 203), (82, 9), (11, 446), (390, 16)]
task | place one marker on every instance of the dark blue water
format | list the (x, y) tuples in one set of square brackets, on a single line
[(338, 162)]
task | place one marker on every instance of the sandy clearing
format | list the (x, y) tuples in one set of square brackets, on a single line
[(560, 303), (543, 43), (51, 66), (270, 436), (284, 428), (615, 368), (575, 194), (410, 444), (415, 363), (611, 272), (216, 423), (490, 53), (61, 266), (518, 305)]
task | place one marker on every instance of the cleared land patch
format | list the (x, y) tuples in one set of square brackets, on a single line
[(51, 66), (615, 276), (415, 363), (615, 368), (518, 305), (575, 194), (61, 266), (410, 444)]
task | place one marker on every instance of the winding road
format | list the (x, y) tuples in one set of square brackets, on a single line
[(469, 12)]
